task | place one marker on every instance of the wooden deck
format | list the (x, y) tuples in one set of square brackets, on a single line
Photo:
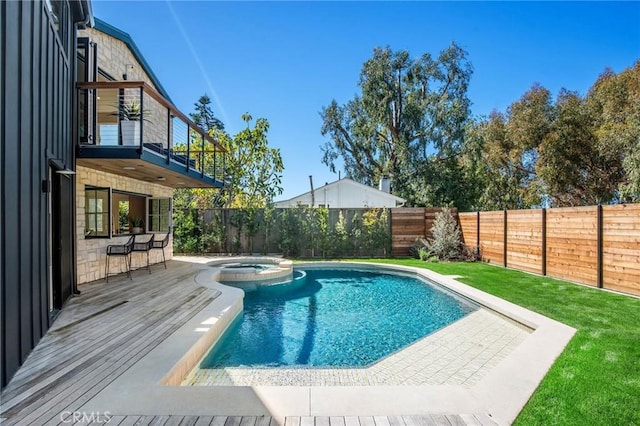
[(110, 327)]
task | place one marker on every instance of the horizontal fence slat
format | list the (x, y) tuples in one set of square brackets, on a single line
[(571, 242)]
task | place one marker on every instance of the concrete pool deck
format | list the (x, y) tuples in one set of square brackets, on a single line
[(484, 365)]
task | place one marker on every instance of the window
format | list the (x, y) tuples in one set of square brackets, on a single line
[(86, 72), (111, 213), (126, 209), (159, 217), (96, 210)]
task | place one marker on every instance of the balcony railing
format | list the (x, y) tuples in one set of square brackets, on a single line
[(126, 114)]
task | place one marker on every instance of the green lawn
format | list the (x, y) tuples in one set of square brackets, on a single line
[(596, 380)]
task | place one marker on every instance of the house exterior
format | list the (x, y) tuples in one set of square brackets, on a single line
[(120, 177), (343, 194), (78, 161)]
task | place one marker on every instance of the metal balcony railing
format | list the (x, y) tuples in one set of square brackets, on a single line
[(117, 114)]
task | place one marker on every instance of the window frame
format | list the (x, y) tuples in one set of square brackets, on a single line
[(159, 215), (144, 198), (148, 199), (95, 214)]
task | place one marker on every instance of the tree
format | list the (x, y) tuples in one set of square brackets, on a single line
[(488, 165), (204, 117), (201, 198), (614, 102), (409, 117), (253, 170), (573, 169)]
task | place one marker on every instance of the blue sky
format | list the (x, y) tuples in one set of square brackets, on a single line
[(284, 61)]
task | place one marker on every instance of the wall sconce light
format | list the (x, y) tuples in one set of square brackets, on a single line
[(66, 171), (61, 167)]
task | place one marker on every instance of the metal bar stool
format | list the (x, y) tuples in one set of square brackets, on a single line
[(143, 246), (120, 250), (161, 244)]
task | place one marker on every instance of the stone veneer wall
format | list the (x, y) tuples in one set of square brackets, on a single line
[(91, 258), (115, 58)]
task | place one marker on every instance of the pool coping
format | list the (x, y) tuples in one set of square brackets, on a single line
[(501, 394)]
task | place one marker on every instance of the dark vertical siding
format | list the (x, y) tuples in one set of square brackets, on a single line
[(10, 282), (24, 183), (36, 80), (41, 107), (3, 373), (36, 162)]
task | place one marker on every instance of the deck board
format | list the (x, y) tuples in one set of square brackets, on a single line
[(111, 326)]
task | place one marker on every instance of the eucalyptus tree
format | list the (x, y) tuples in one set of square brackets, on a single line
[(406, 123), (489, 163), (614, 102), (501, 153), (572, 165)]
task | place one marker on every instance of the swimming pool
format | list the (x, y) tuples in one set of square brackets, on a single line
[(334, 317)]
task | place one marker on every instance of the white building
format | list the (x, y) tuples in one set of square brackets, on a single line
[(345, 193)]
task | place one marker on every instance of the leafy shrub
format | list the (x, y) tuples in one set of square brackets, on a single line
[(420, 250), (355, 234), (424, 254), (289, 227), (446, 241), (375, 230), (213, 235), (238, 220), (341, 236), (268, 225), (187, 231), (325, 242)]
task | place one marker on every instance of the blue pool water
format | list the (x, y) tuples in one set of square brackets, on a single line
[(334, 317)]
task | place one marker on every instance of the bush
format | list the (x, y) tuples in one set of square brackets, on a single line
[(187, 231), (420, 250), (289, 225), (446, 241), (213, 235), (341, 237)]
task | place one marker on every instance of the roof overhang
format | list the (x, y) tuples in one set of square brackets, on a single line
[(146, 171)]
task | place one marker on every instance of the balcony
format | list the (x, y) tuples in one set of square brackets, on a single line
[(129, 129)]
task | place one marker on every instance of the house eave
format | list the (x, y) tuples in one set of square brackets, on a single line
[(142, 165)]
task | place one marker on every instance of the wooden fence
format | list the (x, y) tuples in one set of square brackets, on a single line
[(596, 245), (407, 224)]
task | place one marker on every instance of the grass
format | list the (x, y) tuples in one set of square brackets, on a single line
[(596, 380)]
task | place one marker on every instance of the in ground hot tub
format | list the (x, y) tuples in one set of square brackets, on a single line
[(252, 271)]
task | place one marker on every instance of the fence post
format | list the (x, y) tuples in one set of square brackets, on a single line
[(544, 241), (599, 266), (478, 235), (504, 245)]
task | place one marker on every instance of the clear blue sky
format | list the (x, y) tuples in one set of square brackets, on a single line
[(284, 61)]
